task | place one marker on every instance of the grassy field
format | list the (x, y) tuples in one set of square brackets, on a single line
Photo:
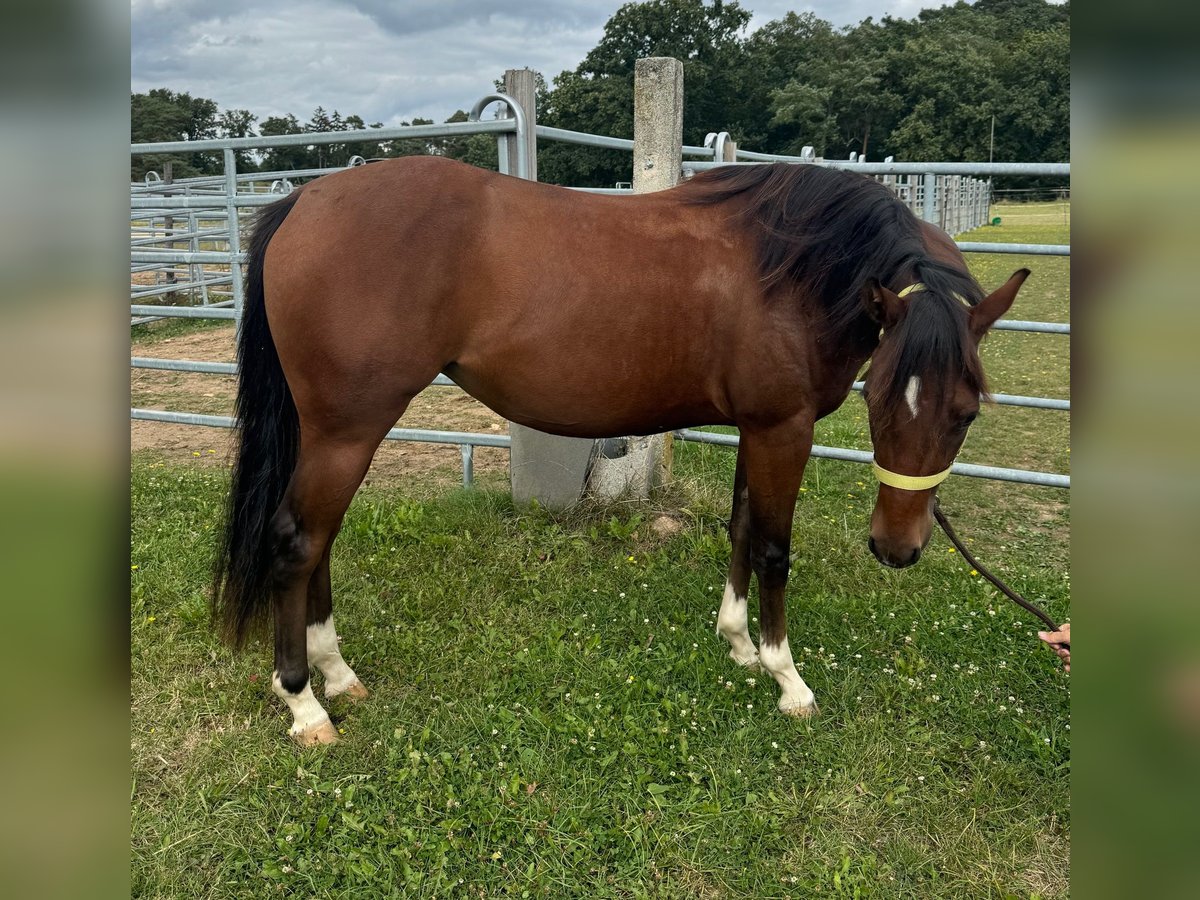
[(552, 715)]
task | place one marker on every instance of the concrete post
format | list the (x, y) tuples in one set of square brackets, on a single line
[(633, 466), (657, 123), (544, 467)]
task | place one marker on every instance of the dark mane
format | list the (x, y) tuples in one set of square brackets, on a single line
[(836, 233)]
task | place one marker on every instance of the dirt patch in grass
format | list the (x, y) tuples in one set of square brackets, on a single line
[(440, 408)]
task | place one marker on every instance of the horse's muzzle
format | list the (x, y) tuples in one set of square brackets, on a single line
[(894, 558)]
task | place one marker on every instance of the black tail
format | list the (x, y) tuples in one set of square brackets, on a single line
[(266, 456)]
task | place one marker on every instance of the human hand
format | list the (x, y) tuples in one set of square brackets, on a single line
[(1060, 641)]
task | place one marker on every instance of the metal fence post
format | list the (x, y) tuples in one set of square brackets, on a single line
[(235, 241), (927, 212)]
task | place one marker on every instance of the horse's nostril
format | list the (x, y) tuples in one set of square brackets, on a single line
[(915, 556)]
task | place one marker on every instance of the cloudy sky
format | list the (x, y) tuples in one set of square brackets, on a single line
[(386, 60)]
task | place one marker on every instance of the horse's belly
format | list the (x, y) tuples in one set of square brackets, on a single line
[(593, 407)]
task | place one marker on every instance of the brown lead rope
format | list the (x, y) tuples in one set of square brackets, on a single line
[(978, 566)]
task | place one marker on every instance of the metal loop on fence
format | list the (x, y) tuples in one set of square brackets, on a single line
[(517, 113)]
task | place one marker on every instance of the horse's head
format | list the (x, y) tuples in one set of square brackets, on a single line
[(923, 391)]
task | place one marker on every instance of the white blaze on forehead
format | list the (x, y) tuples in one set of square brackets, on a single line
[(911, 392)]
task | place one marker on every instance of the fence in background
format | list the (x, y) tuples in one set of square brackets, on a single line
[(185, 242)]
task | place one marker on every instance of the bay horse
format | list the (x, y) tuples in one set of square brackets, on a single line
[(747, 296)]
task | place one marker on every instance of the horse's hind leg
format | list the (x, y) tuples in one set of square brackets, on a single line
[(732, 619), (323, 650), (327, 474)]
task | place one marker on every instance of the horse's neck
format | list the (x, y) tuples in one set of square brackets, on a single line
[(841, 356)]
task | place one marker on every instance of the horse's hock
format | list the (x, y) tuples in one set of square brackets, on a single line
[(557, 471)]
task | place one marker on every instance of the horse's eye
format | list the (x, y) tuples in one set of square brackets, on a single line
[(965, 422)]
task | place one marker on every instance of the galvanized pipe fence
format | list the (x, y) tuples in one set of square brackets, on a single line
[(203, 215)]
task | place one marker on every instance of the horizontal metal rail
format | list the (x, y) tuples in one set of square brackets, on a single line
[(421, 435), (905, 168), (185, 256), (139, 292), (310, 139), (466, 441), (220, 368), (182, 312), (567, 136), (1022, 476), (183, 365), (1032, 327), (206, 202), (1013, 400), (1031, 249), (178, 237), (144, 319), (586, 140)]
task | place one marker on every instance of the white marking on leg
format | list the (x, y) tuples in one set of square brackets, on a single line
[(307, 712), (731, 622), (323, 652), (912, 392), (777, 660)]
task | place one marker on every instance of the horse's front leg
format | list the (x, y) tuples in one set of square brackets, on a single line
[(774, 461), (732, 620)]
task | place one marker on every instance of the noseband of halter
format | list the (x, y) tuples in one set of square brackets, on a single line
[(895, 479), (909, 482)]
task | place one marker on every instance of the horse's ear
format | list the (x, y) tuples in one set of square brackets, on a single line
[(884, 307), (996, 304)]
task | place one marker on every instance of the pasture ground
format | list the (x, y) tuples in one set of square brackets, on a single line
[(552, 714)]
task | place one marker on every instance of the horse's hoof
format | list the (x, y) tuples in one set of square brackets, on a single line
[(746, 662), (799, 710), (355, 691), (324, 733)]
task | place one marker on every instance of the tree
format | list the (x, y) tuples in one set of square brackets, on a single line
[(163, 115), (597, 96), (790, 51), (474, 149), (808, 110), (238, 123), (1036, 72), (283, 159)]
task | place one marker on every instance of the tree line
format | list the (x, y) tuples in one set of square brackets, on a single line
[(958, 83)]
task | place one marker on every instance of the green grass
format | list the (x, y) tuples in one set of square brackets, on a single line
[(552, 715)]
